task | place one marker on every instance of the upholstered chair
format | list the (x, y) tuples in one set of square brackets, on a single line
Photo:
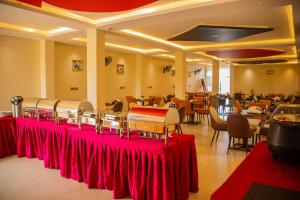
[(238, 127), (216, 123)]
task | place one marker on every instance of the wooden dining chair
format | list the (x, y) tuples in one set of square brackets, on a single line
[(238, 127)]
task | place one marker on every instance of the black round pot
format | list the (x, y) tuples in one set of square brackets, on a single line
[(284, 141)]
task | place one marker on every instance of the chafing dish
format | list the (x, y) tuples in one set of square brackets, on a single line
[(91, 118), (71, 110), (29, 106), (114, 120), (284, 134), (153, 122), (46, 108)]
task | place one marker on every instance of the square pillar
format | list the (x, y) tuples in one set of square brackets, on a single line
[(96, 68), (47, 69), (180, 75), (215, 77)]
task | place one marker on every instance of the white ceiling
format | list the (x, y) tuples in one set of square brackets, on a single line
[(162, 24)]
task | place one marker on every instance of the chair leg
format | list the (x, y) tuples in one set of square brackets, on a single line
[(229, 144), (217, 135), (213, 137)]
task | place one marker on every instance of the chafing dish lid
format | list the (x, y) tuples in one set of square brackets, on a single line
[(155, 114), (30, 102), (74, 106), (49, 104)]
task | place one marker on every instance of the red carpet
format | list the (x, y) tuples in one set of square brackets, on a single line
[(258, 167)]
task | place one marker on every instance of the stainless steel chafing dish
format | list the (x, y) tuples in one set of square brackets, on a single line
[(72, 110), (39, 107), (46, 108), (29, 106), (91, 118), (114, 120), (153, 122)]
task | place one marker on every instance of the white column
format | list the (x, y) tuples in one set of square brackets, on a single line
[(232, 79), (215, 77), (138, 75), (180, 75), (96, 68), (47, 69)]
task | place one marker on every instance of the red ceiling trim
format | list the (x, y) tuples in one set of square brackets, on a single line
[(37, 3), (93, 5)]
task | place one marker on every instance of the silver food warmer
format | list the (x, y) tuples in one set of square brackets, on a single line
[(114, 120), (46, 108), (39, 107), (72, 110), (91, 118), (153, 122), (29, 106)]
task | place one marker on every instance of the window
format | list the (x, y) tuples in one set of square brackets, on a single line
[(208, 78), (224, 80)]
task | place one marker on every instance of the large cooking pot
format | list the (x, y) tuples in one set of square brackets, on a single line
[(284, 134)]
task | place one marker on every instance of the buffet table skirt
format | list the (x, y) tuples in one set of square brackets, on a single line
[(8, 138), (140, 168), (261, 168)]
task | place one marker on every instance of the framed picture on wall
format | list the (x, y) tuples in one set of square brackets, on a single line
[(120, 69), (76, 65)]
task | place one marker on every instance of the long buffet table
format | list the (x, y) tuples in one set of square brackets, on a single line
[(259, 167), (140, 168)]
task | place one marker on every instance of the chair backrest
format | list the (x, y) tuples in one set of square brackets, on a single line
[(130, 99), (187, 105), (117, 107), (169, 97), (181, 112), (215, 118), (158, 100), (151, 100), (231, 101), (238, 106), (213, 101), (238, 126)]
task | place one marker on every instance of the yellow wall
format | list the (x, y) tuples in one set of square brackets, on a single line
[(19, 69), (152, 75), (114, 81), (65, 78), (154, 81), (284, 80)]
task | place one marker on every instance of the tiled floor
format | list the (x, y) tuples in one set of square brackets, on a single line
[(27, 179)]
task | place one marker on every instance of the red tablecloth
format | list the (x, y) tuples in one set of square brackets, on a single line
[(140, 168), (8, 137), (258, 167)]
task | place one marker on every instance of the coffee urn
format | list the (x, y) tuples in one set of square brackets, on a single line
[(16, 106)]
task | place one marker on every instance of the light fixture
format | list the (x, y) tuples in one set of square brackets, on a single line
[(149, 37), (59, 30), (125, 47), (33, 30)]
